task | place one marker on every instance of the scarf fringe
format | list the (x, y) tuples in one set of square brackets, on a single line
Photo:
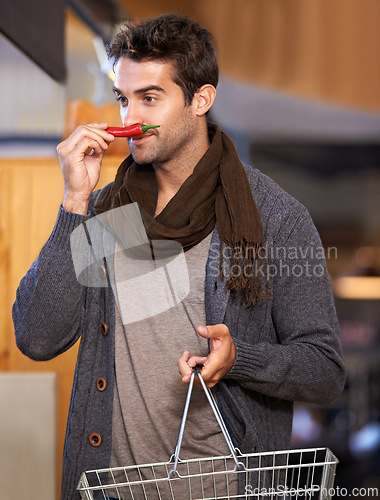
[(247, 268)]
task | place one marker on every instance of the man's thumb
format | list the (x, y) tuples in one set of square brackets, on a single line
[(212, 331), (203, 332)]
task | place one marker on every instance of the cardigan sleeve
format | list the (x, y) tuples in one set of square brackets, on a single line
[(302, 360), (47, 312)]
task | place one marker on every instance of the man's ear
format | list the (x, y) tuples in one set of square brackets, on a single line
[(204, 99)]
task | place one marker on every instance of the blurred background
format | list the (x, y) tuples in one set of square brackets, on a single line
[(300, 96)]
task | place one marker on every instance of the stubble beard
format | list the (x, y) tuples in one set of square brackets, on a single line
[(162, 151)]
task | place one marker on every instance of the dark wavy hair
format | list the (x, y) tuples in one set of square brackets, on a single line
[(174, 38)]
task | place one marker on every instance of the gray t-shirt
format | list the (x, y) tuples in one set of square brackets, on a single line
[(149, 394)]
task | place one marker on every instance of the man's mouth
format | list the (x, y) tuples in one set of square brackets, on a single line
[(137, 139)]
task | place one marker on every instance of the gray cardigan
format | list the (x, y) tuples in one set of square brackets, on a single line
[(287, 348)]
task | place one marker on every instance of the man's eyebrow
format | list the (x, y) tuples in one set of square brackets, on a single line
[(142, 90), (149, 88)]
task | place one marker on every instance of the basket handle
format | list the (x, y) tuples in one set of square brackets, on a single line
[(218, 417)]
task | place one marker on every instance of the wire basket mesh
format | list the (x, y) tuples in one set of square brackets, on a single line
[(279, 475), (299, 474)]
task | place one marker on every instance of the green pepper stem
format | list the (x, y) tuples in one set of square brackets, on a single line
[(144, 128)]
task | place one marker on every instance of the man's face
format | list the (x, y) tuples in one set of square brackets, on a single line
[(147, 94)]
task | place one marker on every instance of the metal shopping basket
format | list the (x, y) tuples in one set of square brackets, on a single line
[(280, 475)]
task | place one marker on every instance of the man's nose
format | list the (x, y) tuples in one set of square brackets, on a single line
[(130, 115)]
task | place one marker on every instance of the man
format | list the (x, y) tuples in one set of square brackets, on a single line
[(258, 313)]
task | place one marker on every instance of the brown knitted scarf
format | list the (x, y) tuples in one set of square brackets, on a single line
[(216, 192)]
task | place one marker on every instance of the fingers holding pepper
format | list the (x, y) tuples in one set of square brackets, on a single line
[(81, 169)]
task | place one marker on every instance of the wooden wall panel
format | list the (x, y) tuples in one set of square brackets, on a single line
[(31, 191), (319, 49)]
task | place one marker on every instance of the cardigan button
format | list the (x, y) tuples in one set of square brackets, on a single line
[(103, 272), (95, 439), (104, 328), (101, 384)]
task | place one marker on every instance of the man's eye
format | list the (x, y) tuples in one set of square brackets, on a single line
[(150, 99), (120, 98)]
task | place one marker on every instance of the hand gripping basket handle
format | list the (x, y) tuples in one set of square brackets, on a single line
[(218, 417)]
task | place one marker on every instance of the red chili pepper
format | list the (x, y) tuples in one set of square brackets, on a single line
[(131, 131)]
